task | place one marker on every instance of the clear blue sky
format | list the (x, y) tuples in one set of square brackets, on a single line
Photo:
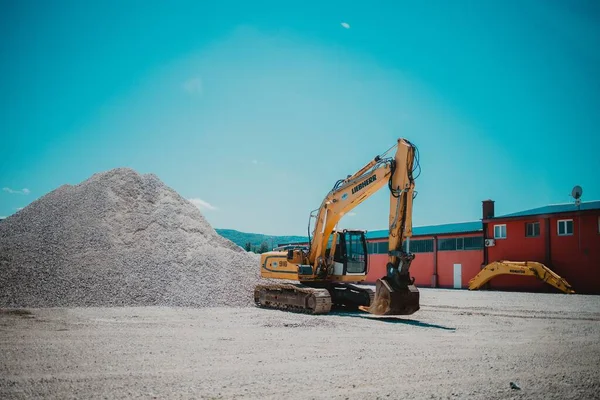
[(257, 108)]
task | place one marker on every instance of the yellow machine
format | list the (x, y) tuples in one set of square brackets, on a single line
[(525, 268), (334, 260)]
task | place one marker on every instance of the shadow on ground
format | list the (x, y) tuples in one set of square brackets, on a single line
[(391, 320)]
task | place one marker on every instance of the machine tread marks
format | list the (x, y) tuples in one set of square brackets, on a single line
[(293, 297)]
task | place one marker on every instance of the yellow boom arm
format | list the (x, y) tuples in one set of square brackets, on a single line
[(525, 268), (350, 192)]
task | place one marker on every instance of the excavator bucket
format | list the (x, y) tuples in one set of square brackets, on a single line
[(393, 301)]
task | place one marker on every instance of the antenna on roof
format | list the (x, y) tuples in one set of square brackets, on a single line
[(576, 193)]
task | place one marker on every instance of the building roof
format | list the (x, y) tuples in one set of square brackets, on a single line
[(555, 209), (430, 230)]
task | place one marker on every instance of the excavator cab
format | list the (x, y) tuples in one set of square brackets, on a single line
[(350, 256)]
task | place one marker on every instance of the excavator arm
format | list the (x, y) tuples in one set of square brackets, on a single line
[(395, 293)]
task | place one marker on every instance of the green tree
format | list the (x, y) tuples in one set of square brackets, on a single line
[(248, 246), (263, 248)]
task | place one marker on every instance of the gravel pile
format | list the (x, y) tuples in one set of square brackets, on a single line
[(119, 238)]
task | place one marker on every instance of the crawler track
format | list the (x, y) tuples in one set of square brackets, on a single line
[(301, 298), (293, 297)]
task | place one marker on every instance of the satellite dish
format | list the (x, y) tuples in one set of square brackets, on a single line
[(577, 192)]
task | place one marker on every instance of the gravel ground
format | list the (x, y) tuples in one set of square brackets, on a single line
[(459, 345)]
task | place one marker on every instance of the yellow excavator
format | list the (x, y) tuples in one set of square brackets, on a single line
[(324, 275)]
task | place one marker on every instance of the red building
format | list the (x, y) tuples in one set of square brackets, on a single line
[(564, 237)]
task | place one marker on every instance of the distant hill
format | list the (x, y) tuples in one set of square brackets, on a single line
[(241, 238)]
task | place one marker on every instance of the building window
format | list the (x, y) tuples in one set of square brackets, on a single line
[(565, 227), (382, 247), (499, 231), (460, 243), (419, 246), (532, 229), (371, 247), (447, 244), (426, 245), (473, 243)]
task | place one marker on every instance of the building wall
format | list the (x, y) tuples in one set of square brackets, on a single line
[(470, 261), (575, 257), (376, 267), (517, 247), (421, 268)]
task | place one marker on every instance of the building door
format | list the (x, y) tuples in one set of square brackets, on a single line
[(457, 276)]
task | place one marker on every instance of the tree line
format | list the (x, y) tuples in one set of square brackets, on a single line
[(262, 248)]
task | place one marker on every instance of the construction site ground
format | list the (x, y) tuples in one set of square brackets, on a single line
[(461, 344)]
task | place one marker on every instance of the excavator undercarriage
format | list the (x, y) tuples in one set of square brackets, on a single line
[(318, 299)]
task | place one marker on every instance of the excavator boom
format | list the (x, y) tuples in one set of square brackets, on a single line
[(522, 268)]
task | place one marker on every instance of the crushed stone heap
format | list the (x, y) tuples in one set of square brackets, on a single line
[(119, 238)]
